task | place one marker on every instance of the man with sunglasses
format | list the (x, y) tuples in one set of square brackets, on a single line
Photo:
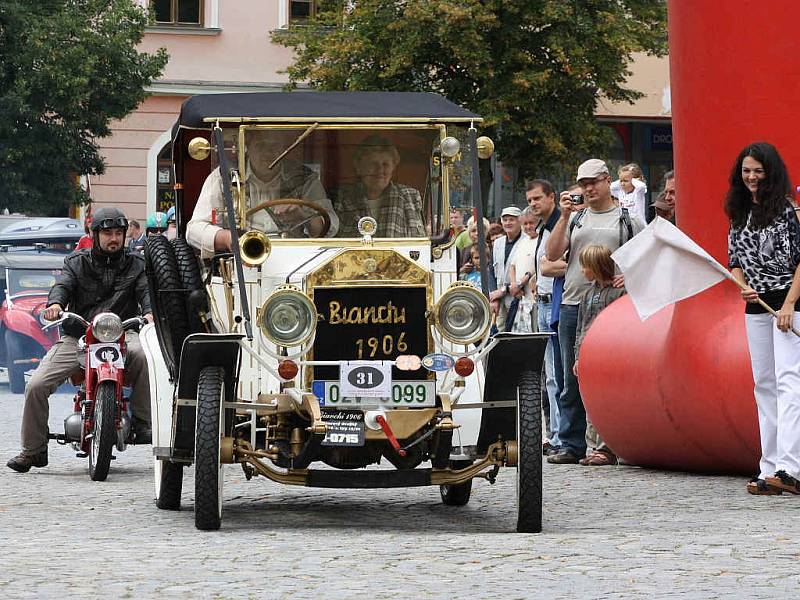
[(105, 278), (586, 219)]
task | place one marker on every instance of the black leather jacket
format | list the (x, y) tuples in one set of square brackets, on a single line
[(91, 283)]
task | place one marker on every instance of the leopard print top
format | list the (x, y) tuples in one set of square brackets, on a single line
[(768, 257)]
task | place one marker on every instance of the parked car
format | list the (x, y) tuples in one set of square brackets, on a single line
[(27, 277), (359, 350), (58, 233)]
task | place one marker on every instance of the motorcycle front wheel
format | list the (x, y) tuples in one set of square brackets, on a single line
[(104, 432)]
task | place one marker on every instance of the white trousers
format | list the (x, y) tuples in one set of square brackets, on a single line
[(775, 358)]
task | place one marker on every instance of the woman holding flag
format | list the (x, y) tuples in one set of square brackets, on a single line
[(764, 257)]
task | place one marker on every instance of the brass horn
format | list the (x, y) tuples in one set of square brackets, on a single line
[(254, 247)]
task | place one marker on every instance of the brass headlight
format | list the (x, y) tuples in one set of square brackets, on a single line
[(462, 314), (287, 317)]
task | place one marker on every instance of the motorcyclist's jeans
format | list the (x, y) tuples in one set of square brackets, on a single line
[(58, 364)]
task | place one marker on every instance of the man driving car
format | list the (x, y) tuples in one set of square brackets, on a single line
[(105, 278), (288, 179)]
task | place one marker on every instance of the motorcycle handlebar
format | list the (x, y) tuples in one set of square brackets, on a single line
[(63, 316)]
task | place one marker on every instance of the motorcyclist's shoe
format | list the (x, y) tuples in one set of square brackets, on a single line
[(22, 463), (142, 433)]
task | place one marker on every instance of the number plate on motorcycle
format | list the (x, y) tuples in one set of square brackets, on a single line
[(105, 353), (344, 427), (366, 379)]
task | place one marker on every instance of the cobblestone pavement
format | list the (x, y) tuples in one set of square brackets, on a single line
[(617, 532)]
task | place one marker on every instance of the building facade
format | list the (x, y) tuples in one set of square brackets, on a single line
[(217, 46)]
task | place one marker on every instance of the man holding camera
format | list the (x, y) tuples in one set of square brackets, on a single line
[(588, 218)]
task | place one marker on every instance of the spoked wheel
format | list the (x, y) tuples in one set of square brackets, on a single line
[(169, 484), (457, 495), (104, 434), (529, 447), (210, 427)]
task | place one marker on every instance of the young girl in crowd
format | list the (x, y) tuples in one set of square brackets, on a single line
[(764, 255), (597, 267), (473, 274), (631, 190)]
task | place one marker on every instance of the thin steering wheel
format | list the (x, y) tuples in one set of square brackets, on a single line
[(326, 220)]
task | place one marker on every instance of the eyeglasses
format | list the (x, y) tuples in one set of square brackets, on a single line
[(116, 222)]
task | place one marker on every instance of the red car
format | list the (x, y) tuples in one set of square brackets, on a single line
[(27, 278)]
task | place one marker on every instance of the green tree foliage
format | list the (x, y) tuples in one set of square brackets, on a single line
[(67, 68), (533, 69)]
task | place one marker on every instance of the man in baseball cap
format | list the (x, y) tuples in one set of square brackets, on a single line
[(592, 218), (503, 251)]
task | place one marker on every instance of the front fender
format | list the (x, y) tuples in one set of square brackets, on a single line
[(513, 354), (107, 372)]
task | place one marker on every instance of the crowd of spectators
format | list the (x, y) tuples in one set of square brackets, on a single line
[(550, 270)]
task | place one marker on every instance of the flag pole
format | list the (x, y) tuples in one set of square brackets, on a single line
[(763, 304)]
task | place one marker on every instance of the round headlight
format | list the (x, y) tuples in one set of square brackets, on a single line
[(288, 317), (462, 314), (107, 327)]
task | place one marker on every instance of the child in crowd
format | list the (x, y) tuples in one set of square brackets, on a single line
[(630, 190), (597, 267), (473, 275)]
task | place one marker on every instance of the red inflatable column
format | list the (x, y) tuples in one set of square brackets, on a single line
[(676, 391)]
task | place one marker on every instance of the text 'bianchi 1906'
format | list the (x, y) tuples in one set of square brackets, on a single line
[(309, 311)]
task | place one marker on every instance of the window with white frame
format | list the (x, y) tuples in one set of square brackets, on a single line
[(178, 12)]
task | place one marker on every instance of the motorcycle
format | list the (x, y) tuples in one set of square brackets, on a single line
[(100, 419)]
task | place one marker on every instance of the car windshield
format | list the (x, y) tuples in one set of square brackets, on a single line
[(297, 179), (28, 281)]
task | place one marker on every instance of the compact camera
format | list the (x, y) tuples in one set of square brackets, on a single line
[(576, 198)]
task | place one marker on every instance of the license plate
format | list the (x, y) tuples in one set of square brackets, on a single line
[(403, 393), (344, 427)]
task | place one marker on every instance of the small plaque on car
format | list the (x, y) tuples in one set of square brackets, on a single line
[(344, 427), (366, 379)]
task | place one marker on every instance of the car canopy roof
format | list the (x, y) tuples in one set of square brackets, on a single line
[(31, 260), (299, 106)]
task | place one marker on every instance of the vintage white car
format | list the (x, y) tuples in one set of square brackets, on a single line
[(309, 310)]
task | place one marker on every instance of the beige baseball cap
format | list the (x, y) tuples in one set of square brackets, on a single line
[(513, 211), (594, 167)]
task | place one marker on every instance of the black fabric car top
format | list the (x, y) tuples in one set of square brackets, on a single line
[(320, 105)]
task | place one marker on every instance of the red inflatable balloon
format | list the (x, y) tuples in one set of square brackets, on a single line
[(676, 391)]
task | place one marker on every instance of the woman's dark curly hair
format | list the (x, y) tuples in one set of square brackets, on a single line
[(772, 192)]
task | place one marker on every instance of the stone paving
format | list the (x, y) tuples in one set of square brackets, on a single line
[(615, 532)]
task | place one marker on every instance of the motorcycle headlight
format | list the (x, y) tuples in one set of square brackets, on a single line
[(107, 327), (462, 314), (288, 317)]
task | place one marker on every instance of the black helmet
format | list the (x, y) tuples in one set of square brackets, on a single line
[(109, 218)]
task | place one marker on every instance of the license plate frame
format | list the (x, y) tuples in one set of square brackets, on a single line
[(322, 390)]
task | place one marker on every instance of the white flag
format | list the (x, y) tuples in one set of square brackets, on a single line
[(663, 265)]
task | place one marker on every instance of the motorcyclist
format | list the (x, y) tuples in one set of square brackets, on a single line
[(156, 223), (105, 278)]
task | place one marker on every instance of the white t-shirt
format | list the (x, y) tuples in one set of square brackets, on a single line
[(635, 201), (524, 261), (544, 284)]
